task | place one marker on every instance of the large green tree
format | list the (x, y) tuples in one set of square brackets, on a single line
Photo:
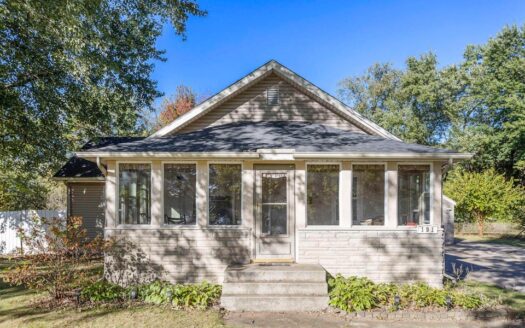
[(73, 70), (477, 105)]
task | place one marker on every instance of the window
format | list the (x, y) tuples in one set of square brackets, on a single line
[(322, 192), (413, 195), (134, 194), (272, 95), (368, 195), (179, 194), (225, 194)]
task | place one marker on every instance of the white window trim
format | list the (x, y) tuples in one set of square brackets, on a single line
[(323, 227), (385, 199), (178, 226), (226, 226), (117, 192), (431, 196)]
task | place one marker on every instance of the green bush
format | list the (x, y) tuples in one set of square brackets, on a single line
[(103, 291), (358, 294), (199, 296)]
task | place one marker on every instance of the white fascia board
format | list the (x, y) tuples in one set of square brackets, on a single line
[(73, 179), (107, 155), (442, 156)]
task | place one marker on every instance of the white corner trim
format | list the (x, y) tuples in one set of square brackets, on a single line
[(287, 74)]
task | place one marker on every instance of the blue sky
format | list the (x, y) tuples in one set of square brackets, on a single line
[(324, 41)]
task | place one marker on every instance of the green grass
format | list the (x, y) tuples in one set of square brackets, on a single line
[(508, 298), (494, 239), (17, 310)]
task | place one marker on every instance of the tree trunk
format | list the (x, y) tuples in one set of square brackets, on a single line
[(480, 219)]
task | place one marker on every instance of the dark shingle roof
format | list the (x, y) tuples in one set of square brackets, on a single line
[(79, 168), (250, 136)]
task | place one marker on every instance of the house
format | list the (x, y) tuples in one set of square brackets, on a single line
[(271, 169)]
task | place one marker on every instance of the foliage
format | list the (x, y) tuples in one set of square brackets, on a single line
[(199, 296), (360, 293), (103, 291), (57, 253), (179, 104), (75, 70), (480, 196), (477, 105)]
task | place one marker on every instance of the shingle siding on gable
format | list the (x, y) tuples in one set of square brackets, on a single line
[(251, 105)]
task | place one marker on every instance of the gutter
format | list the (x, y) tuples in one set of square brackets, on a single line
[(270, 154)]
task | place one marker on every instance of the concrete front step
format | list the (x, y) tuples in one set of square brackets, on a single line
[(261, 273), (274, 303), (279, 288)]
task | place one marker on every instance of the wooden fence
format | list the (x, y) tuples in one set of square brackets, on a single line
[(11, 221)]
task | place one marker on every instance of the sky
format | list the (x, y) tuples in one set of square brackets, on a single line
[(323, 41)]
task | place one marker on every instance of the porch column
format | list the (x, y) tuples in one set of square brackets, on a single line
[(437, 194), (300, 195), (391, 173), (247, 194), (156, 193), (345, 195), (111, 194), (202, 193)]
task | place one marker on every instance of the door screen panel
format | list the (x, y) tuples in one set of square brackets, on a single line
[(274, 204)]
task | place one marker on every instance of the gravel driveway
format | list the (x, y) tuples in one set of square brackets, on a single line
[(496, 264)]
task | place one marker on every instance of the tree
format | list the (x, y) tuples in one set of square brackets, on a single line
[(71, 71), (483, 196), (180, 103), (409, 103)]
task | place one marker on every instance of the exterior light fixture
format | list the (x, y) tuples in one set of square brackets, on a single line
[(133, 294), (448, 301), (78, 293), (169, 295), (397, 300)]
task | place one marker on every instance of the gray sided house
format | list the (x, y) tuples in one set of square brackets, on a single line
[(270, 170)]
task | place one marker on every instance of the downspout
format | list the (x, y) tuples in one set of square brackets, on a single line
[(101, 167)]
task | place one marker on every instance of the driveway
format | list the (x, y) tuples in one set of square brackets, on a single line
[(501, 265)]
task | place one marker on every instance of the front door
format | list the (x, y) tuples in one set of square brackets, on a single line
[(274, 212)]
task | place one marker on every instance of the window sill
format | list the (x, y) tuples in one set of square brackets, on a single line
[(356, 228)]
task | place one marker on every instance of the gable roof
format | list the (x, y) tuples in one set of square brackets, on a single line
[(249, 138), (292, 78)]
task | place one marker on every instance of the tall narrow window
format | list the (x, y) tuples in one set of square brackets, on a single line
[(368, 195), (413, 195), (225, 194), (322, 193), (134, 194), (179, 194)]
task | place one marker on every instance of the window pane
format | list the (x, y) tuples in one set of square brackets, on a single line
[(225, 194), (134, 193), (179, 194), (368, 195), (322, 194), (413, 195)]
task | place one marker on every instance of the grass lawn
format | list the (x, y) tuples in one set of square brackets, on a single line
[(494, 239), (507, 297), (16, 310)]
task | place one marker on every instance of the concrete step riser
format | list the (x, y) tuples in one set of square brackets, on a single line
[(275, 276), (275, 304), (292, 288)]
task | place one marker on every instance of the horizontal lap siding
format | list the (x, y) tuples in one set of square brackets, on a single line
[(250, 105), (87, 200), (188, 255), (383, 256)]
